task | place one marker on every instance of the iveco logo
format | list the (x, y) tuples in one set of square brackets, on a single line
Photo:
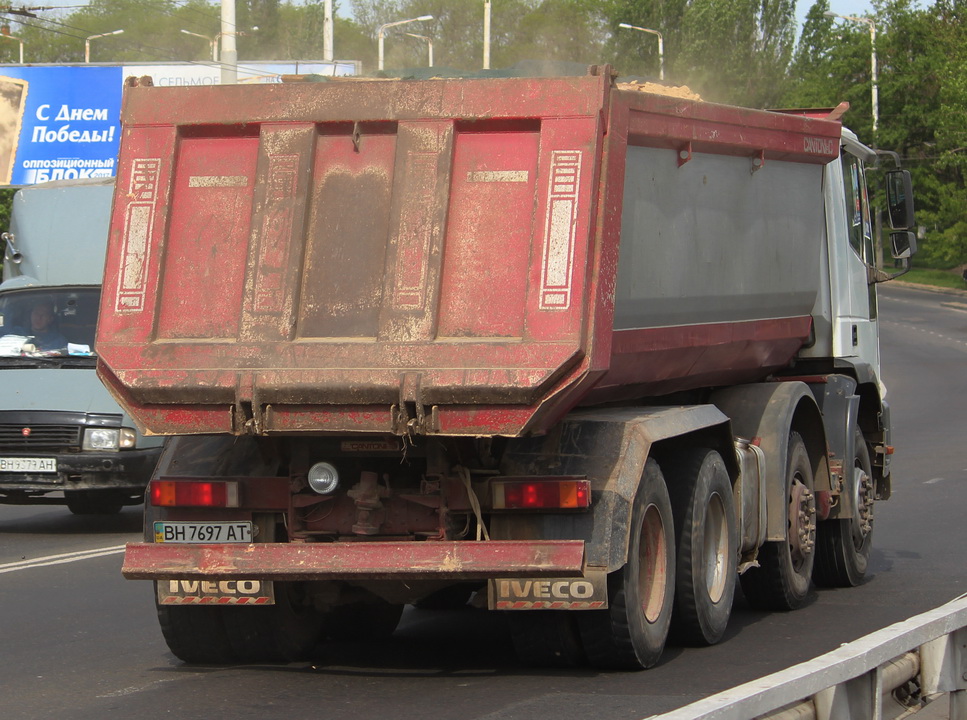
[(25, 432)]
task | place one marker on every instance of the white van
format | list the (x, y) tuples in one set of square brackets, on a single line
[(63, 439)]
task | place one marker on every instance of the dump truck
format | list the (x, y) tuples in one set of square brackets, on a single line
[(587, 355), (63, 438)]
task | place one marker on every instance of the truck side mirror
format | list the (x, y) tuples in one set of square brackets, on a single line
[(904, 244), (899, 200)]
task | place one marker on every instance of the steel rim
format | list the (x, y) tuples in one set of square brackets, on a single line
[(802, 525), (862, 505), (716, 548), (653, 574)]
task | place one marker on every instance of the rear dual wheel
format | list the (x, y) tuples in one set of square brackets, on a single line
[(631, 633), (705, 525), (280, 633)]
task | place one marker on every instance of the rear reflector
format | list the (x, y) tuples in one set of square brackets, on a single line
[(180, 493), (533, 494)]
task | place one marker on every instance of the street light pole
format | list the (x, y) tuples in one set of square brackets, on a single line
[(212, 41), (661, 46), (327, 52), (87, 43), (381, 32), (429, 45), (486, 38), (16, 39), (229, 54), (873, 76)]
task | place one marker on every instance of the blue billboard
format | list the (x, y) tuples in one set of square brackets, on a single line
[(63, 121), (58, 122)]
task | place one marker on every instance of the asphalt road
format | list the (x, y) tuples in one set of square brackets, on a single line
[(77, 641)]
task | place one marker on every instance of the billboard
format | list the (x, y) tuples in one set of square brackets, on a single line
[(63, 121)]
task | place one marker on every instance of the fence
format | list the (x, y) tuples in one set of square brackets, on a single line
[(923, 658)]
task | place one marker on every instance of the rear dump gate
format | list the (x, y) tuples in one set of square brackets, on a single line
[(303, 280), (442, 257)]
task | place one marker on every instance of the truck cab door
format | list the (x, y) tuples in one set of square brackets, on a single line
[(851, 250)]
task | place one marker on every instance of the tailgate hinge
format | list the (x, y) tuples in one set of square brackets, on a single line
[(411, 417)]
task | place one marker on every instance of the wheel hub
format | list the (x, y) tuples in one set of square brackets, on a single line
[(802, 522)]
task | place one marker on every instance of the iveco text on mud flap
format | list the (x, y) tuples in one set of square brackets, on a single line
[(215, 592), (586, 593)]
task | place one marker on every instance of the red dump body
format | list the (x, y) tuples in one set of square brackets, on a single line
[(389, 256)]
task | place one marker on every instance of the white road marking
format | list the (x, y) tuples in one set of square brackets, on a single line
[(61, 559), (933, 481)]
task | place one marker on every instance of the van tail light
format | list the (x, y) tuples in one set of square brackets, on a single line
[(194, 493), (541, 494)]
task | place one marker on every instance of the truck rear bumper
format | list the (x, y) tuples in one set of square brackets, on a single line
[(357, 560)]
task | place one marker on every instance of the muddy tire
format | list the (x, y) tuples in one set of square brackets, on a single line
[(705, 526), (280, 633), (631, 633), (844, 544), (784, 576), (196, 635)]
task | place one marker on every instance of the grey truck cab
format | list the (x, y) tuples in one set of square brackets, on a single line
[(63, 439)]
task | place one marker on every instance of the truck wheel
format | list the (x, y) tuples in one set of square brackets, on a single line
[(844, 544), (546, 638), (280, 633), (631, 633), (705, 526), (782, 580), (196, 634), (367, 620), (94, 502)]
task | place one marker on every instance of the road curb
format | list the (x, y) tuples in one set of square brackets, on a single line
[(930, 288)]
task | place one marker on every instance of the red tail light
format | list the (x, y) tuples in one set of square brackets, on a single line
[(192, 493), (541, 494)]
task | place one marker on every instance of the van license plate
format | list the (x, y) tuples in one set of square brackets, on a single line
[(201, 532), (28, 464)]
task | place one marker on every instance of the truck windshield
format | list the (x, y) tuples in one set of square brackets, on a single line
[(50, 322)]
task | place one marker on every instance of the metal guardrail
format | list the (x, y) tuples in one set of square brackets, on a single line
[(926, 655)]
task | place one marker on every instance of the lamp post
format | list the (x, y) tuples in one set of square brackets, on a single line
[(87, 43), (5, 33), (661, 46), (213, 41), (486, 38), (381, 31), (327, 51), (429, 45), (873, 78)]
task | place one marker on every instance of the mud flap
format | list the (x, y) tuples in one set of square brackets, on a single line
[(215, 592), (585, 593)]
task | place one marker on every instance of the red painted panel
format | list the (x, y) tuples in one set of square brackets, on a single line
[(695, 356), (489, 234), (357, 560), (139, 218), (207, 239), (346, 238), (661, 121)]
